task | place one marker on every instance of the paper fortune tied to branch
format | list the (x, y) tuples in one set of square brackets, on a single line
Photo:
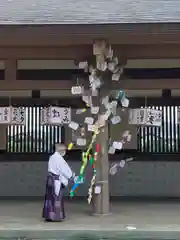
[(125, 102), (107, 114), (79, 111), (122, 163), (126, 133), (89, 120), (81, 141), (76, 90), (111, 150), (87, 100), (116, 76), (92, 128), (115, 119), (94, 110), (83, 65), (73, 125), (105, 100), (129, 137), (97, 189), (117, 145)]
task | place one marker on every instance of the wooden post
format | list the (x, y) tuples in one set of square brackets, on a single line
[(101, 201)]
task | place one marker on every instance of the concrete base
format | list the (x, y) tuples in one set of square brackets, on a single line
[(153, 220)]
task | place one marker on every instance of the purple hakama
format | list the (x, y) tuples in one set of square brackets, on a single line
[(53, 209)]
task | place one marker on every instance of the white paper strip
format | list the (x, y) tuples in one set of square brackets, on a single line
[(81, 142), (92, 128), (100, 122), (113, 169), (94, 93), (99, 47), (5, 115), (116, 76), (80, 111), (108, 105), (87, 100), (94, 110), (137, 116), (18, 116), (111, 150), (117, 145), (77, 90), (83, 65), (109, 53), (102, 66), (113, 107), (125, 102), (73, 125), (12, 115), (97, 189), (125, 134), (89, 120), (154, 117), (107, 114), (60, 115), (96, 83), (91, 79), (129, 137), (105, 100), (144, 116), (45, 116), (129, 159), (115, 119), (56, 115), (115, 60), (114, 104), (111, 66), (122, 163)]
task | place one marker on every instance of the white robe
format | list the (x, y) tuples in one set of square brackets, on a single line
[(57, 165)]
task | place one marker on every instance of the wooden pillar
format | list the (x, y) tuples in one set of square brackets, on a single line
[(101, 201)]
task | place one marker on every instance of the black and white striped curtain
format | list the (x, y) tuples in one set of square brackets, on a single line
[(164, 139)]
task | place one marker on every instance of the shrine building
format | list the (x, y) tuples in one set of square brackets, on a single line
[(40, 47)]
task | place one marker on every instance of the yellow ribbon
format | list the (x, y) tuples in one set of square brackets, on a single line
[(85, 155), (85, 158)]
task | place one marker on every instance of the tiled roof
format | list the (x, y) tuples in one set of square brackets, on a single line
[(88, 11)]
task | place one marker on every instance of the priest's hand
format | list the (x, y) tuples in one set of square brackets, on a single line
[(78, 179)]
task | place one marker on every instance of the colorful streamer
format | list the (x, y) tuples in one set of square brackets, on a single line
[(93, 180), (84, 163)]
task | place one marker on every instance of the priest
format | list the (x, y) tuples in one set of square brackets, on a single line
[(59, 173)]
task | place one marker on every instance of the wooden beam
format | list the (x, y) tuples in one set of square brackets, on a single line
[(34, 85), (143, 84), (84, 51), (66, 35), (160, 51), (77, 102), (129, 84), (46, 53)]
